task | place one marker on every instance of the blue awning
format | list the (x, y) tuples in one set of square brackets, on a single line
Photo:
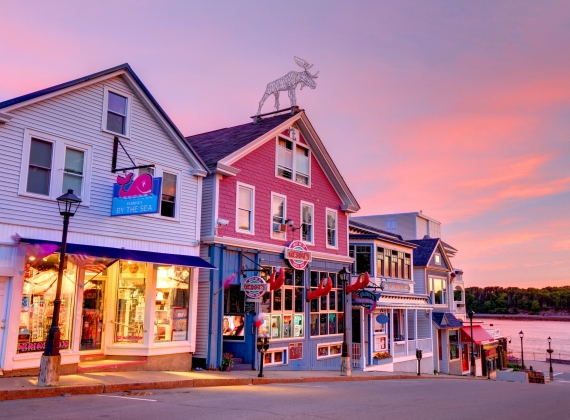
[(129, 254)]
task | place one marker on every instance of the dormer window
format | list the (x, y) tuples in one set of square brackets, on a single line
[(116, 113), (293, 161), (437, 259)]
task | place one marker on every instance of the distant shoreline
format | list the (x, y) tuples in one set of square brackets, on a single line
[(523, 317)]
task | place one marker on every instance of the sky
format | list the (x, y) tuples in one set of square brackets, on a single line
[(460, 109)]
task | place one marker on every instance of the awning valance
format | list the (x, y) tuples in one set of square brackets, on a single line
[(128, 254), (479, 334)]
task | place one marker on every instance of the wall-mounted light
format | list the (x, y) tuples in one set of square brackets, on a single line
[(289, 222)]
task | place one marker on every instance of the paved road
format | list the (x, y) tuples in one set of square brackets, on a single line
[(439, 399)]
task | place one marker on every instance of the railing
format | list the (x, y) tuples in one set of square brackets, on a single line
[(399, 349), (356, 354), (493, 332), (557, 357), (423, 344)]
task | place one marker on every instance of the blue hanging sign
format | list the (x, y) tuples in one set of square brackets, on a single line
[(382, 319), (365, 299), (136, 196)]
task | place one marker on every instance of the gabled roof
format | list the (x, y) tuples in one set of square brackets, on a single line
[(445, 320), (368, 232), (216, 145), (29, 98), (425, 251), (221, 148)]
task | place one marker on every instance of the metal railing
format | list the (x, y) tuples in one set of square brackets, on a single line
[(423, 344), (356, 354)]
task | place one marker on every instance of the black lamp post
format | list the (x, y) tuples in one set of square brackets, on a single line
[(68, 204), (343, 277), (521, 335), (262, 346), (473, 369), (550, 354)]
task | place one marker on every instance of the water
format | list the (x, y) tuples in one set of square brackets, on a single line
[(535, 340)]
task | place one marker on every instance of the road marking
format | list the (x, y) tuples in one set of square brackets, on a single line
[(306, 386), (126, 398)]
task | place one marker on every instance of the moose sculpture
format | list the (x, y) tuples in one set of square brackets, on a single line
[(289, 83)]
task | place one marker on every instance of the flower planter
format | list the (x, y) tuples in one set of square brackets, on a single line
[(382, 361), (227, 368)]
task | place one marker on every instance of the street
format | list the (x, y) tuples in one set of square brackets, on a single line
[(410, 399)]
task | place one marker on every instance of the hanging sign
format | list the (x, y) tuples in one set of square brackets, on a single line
[(136, 196), (298, 255), (382, 319), (254, 287), (395, 287), (365, 299)]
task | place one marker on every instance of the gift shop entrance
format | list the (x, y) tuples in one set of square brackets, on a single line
[(3, 302)]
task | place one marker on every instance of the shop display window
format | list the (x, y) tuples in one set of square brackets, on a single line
[(285, 306), (130, 310), (276, 357), (171, 303), (453, 344), (327, 312), (38, 295), (329, 350)]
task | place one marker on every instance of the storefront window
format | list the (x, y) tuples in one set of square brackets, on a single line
[(40, 283), (171, 303), (285, 307), (327, 312), (131, 292), (453, 344)]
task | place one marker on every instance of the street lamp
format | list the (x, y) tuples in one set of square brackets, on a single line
[(344, 277), (262, 346), (550, 354), (521, 335), (473, 369), (68, 204)]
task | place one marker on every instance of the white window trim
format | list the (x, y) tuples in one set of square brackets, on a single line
[(129, 97), (327, 210), (158, 171), (272, 234), (58, 162), (329, 356), (294, 168), (285, 351), (306, 203), (431, 289), (435, 259), (238, 230)]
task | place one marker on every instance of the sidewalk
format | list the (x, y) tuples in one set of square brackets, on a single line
[(105, 382)]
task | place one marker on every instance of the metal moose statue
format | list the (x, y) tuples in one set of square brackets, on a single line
[(289, 83)]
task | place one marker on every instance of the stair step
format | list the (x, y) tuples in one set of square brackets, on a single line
[(238, 360), (242, 366), (91, 357)]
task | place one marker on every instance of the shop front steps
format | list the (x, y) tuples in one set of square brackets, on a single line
[(109, 364), (242, 366)]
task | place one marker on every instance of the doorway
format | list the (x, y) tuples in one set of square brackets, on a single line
[(3, 309), (464, 357), (93, 312)]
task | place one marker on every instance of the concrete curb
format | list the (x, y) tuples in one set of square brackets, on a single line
[(18, 394)]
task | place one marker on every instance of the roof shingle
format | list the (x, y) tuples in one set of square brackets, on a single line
[(423, 253)]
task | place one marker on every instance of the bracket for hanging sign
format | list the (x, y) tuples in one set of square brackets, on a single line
[(114, 169)]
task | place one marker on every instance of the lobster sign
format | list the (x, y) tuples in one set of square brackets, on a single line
[(136, 195)]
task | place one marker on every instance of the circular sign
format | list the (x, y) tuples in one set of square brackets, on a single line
[(254, 287), (298, 255), (382, 319)]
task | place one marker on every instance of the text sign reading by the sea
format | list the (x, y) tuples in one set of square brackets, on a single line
[(136, 196)]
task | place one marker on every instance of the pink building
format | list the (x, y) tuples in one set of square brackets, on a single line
[(273, 188)]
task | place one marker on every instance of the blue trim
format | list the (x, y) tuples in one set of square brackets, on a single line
[(129, 254)]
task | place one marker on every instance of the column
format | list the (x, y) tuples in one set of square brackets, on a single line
[(406, 331), (416, 326), (391, 338)]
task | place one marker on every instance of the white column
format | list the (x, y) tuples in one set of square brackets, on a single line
[(416, 326), (391, 332), (406, 331)]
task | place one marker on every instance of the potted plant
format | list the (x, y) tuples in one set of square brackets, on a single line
[(381, 357), (227, 361)]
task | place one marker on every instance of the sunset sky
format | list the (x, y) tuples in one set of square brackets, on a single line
[(460, 109)]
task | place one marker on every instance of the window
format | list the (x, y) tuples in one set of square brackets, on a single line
[(329, 350), (394, 268), (116, 112), (438, 287), (285, 307), (408, 267), (169, 194), (453, 344), (278, 214), (458, 294), (380, 262), (307, 222), (171, 303), (39, 172), (274, 357), (400, 265), (51, 165), (293, 161), (362, 255), (327, 312), (245, 204), (437, 259), (391, 225), (332, 228)]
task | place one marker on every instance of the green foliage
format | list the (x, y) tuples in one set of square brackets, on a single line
[(512, 300), (514, 366)]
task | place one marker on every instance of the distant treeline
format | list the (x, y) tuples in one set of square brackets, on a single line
[(513, 300)]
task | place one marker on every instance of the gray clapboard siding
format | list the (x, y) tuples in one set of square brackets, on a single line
[(77, 115), (208, 192), (203, 310), (424, 324), (419, 281)]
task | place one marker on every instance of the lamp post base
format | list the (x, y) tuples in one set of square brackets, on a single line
[(49, 371), (345, 366)]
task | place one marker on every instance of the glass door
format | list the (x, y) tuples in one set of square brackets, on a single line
[(93, 313)]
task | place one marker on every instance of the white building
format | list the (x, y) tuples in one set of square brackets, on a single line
[(141, 308)]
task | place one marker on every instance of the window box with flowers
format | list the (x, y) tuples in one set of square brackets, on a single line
[(381, 358)]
